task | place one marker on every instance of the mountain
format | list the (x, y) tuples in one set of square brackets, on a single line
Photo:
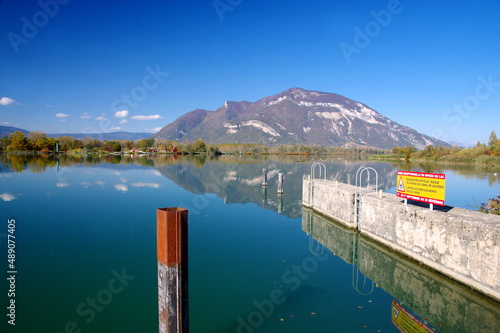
[(105, 136), (296, 116), (7, 130)]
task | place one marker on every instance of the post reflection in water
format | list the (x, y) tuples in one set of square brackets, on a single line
[(446, 305)]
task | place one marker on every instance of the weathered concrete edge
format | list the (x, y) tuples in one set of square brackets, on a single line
[(461, 216), (490, 292), (464, 214)]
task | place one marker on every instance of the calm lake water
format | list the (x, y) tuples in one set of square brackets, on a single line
[(85, 242)]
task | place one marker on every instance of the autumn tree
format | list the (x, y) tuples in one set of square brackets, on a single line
[(46, 143), (440, 151), (91, 143), (68, 143), (493, 139), (199, 146), (494, 144), (18, 141), (4, 142), (144, 144), (407, 151), (38, 140), (117, 147), (126, 144), (36, 135)]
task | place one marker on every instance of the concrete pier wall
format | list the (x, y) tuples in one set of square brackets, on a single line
[(458, 243), (326, 197), (448, 305)]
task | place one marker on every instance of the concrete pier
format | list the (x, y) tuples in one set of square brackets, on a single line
[(459, 243), (447, 305)]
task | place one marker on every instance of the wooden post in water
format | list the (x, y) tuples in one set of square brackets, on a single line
[(264, 177), (280, 203), (280, 183), (264, 194), (172, 252)]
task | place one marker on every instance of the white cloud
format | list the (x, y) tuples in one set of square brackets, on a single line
[(5, 123), (7, 197), (121, 187), (7, 101), (101, 118), (115, 128), (85, 116), (62, 184), (62, 115), (152, 117), (123, 121), (155, 172), (121, 114), (154, 130), (48, 105), (150, 185)]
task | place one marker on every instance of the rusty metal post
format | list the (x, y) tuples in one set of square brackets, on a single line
[(172, 252)]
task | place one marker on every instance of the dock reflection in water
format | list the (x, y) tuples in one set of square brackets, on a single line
[(445, 304)]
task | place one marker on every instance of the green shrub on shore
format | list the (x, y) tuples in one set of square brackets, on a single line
[(491, 207)]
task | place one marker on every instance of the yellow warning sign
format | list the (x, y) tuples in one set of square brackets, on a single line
[(407, 322), (421, 186)]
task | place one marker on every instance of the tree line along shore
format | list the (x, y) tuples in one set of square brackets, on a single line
[(483, 154), (39, 142)]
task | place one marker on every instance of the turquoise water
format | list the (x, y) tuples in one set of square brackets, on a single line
[(86, 249)]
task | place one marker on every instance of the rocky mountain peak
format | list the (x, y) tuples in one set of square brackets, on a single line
[(295, 116)]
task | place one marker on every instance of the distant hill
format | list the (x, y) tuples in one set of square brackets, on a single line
[(295, 116), (105, 136), (7, 130)]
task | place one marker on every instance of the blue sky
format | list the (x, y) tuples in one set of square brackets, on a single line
[(71, 66)]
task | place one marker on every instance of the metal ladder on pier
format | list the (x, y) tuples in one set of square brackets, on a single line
[(322, 176), (359, 184), (316, 248)]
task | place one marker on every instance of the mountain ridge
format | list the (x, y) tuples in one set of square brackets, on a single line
[(121, 135), (7, 130), (109, 136), (295, 116)]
